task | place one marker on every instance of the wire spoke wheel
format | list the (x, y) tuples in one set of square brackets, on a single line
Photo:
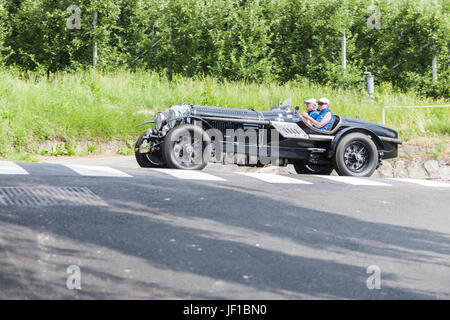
[(187, 147), (356, 156), (188, 150)]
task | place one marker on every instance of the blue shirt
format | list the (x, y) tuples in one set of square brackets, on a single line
[(313, 114), (321, 116)]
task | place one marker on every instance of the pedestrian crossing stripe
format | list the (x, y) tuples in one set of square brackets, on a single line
[(273, 178), (96, 171), (12, 168), (9, 167), (189, 174), (423, 182), (355, 181)]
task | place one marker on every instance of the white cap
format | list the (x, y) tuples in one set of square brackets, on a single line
[(324, 100), (312, 100)]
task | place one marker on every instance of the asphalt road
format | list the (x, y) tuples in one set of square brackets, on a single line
[(146, 234)]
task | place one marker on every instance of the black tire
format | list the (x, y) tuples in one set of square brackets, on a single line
[(146, 160), (187, 147), (356, 155), (301, 167)]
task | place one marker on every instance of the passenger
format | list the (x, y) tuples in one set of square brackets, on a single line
[(325, 119)]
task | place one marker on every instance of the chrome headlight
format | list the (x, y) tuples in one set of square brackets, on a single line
[(177, 112), (173, 114), (159, 120), (164, 130)]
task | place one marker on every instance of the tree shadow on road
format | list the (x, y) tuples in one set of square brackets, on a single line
[(268, 252)]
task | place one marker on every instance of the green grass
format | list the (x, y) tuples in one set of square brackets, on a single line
[(103, 106), (61, 149)]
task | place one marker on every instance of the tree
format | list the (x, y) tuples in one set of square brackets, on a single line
[(3, 27)]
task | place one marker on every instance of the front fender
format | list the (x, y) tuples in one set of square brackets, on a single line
[(342, 133), (146, 122)]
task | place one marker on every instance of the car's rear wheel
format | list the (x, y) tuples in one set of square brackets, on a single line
[(148, 160), (302, 167), (187, 147), (356, 155)]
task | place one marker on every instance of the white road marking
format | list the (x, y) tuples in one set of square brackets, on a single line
[(189, 174), (96, 171), (9, 167), (354, 181), (273, 178), (423, 182)]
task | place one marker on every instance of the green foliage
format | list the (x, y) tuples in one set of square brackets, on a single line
[(61, 149), (128, 149), (401, 51), (91, 148), (51, 46), (250, 40), (3, 27), (22, 157), (125, 151), (424, 85), (441, 127)]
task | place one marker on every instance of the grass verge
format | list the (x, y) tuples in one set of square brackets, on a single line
[(94, 106)]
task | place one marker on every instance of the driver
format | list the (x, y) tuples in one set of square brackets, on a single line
[(311, 107), (325, 118)]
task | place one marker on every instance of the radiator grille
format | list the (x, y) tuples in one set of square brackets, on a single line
[(221, 125)]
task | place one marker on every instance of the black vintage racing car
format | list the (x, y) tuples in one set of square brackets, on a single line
[(188, 136)]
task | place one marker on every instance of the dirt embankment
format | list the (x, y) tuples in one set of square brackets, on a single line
[(420, 158)]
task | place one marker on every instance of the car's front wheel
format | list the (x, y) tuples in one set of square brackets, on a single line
[(148, 160), (356, 155), (187, 147), (301, 167)]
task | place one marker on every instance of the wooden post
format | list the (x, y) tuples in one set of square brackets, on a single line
[(434, 66), (344, 51), (171, 46), (95, 49)]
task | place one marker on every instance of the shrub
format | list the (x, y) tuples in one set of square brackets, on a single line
[(257, 40)]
